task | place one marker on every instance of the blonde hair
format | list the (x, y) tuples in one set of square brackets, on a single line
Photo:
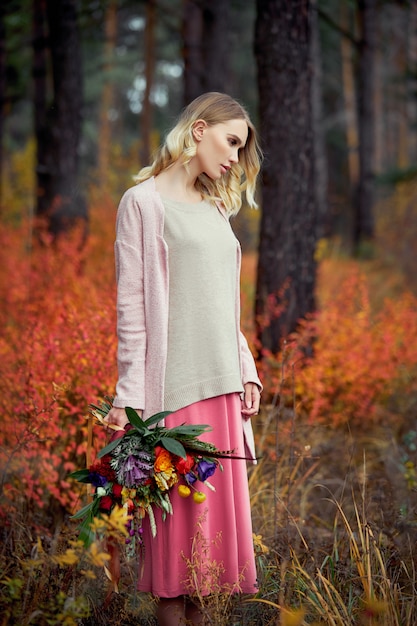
[(213, 108)]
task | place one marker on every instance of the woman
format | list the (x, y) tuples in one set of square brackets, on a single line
[(180, 348)]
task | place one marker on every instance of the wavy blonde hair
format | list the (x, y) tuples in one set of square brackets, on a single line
[(213, 108)]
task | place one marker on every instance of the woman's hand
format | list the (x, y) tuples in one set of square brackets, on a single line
[(251, 400), (118, 416)]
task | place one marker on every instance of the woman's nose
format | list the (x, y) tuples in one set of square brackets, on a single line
[(234, 157)]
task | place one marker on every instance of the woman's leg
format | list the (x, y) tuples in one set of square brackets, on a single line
[(170, 611)]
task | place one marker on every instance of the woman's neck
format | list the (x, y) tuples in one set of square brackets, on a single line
[(178, 183)]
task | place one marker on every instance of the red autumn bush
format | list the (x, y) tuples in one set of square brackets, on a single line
[(58, 354), (363, 365)]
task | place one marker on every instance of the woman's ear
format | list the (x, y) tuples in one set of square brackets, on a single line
[(199, 127)]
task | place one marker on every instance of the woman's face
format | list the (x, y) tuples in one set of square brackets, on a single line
[(218, 146)]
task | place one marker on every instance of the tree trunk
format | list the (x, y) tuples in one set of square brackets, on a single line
[(192, 34), (107, 95), (412, 79), (286, 266), (320, 160), (146, 117), (206, 46), (350, 102), (364, 222), (39, 75), (2, 94), (216, 44), (400, 65), (59, 199)]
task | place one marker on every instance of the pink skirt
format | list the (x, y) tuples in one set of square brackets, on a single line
[(206, 546)]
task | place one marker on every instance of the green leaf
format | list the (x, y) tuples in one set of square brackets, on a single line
[(154, 419), (80, 475), (189, 430), (85, 510), (86, 535), (111, 446), (135, 419), (173, 446)]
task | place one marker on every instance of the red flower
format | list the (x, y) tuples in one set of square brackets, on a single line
[(117, 434), (183, 466), (103, 468), (106, 503), (117, 490)]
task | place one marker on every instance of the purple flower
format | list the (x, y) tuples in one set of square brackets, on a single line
[(205, 469), (134, 471), (190, 478), (97, 479)]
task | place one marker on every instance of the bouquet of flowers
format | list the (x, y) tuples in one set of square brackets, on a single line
[(140, 466)]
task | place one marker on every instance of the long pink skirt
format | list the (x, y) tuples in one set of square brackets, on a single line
[(207, 546)]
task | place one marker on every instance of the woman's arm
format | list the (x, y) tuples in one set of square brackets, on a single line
[(131, 327), (250, 379)]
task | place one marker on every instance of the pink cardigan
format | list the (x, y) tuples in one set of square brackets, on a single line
[(142, 305)]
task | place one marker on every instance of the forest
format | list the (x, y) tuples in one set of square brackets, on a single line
[(88, 89)]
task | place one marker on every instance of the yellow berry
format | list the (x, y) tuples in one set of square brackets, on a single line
[(184, 491), (199, 497)]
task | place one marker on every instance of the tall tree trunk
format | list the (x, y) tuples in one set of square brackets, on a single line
[(206, 46), (350, 102), (59, 197), (380, 150), (2, 94), (320, 160), (412, 78), (107, 95), (401, 61), (39, 75), (216, 44), (192, 34), (286, 266), (146, 117), (364, 221)]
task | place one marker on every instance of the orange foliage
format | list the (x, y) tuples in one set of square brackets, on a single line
[(58, 354), (363, 365)]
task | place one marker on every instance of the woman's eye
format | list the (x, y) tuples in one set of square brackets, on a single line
[(232, 142)]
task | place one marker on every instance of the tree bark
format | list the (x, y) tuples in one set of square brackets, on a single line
[(146, 117), (350, 102), (216, 44), (206, 46), (59, 200), (39, 75), (320, 160), (192, 33), (286, 267), (363, 217), (107, 95), (2, 94), (412, 79)]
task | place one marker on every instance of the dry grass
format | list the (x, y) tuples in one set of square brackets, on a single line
[(334, 512)]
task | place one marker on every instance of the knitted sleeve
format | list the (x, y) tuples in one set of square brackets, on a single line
[(131, 331), (249, 372)]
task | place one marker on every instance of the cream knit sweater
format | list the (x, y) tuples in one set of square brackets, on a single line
[(203, 351)]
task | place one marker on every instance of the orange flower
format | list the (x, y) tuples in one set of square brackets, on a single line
[(163, 461)]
